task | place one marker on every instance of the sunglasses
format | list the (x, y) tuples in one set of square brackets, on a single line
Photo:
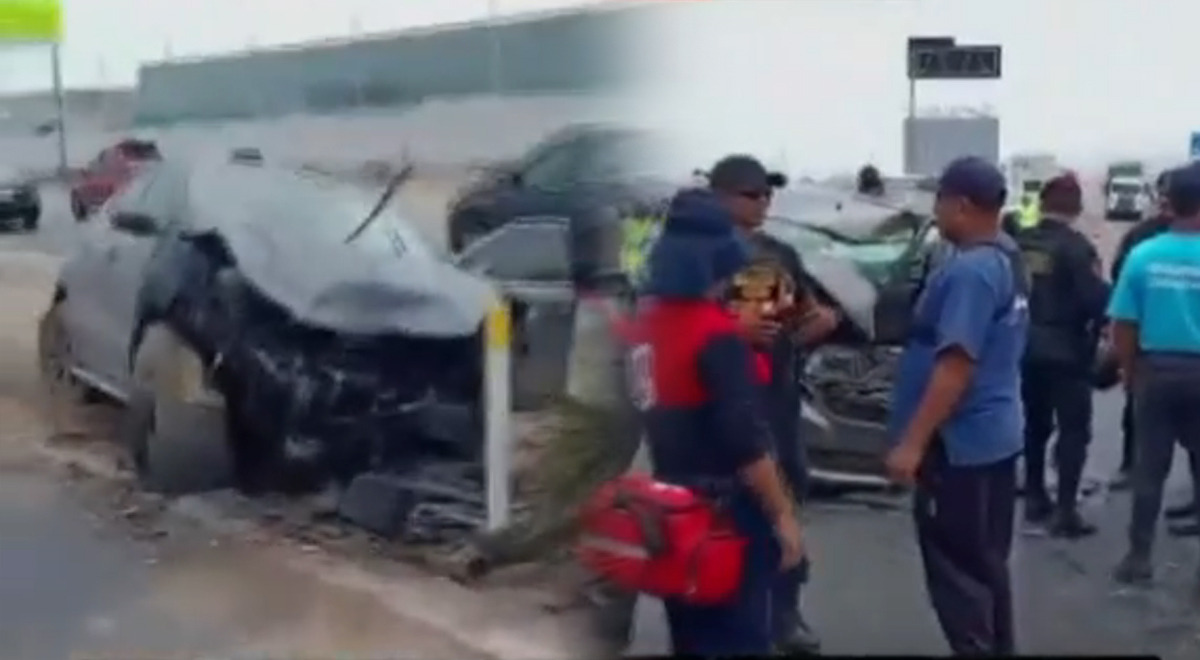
[(757, 195)]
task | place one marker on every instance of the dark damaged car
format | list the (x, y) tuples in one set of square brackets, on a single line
[(866, 256), (267, 328)]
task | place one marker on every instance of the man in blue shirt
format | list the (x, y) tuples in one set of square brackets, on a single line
[(957, 422), (1155, 310)]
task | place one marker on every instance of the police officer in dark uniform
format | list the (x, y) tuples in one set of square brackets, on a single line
[(1149, 228), (1066, 307), (745, 187)]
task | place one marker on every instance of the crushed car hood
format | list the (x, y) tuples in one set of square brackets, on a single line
[(385, 280), (846, 285)]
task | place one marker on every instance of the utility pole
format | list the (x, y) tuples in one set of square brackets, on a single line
[(496, 56), (59, 105)]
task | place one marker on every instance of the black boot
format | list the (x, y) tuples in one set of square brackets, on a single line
[(1121, 480), (1184, 529), (1134, 569), (798, 638), (1038, 508), (1181, 511), (1068, 524)]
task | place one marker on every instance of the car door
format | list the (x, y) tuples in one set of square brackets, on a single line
[(89, 279), (528, 260), (126, 256)]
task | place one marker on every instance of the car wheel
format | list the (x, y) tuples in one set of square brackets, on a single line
[(78, 209), (178, 443)]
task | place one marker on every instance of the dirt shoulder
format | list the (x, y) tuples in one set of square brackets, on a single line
[(528, 611)]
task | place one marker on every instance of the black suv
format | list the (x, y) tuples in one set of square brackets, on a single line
[(575, 171)]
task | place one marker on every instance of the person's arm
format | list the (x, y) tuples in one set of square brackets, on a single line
[(968, 305), (1125, 310), (1087, 283), (817, 322), (725, 371)]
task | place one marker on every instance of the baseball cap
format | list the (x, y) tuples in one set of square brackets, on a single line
[(743, 173), (1183, 189), (975, 180)]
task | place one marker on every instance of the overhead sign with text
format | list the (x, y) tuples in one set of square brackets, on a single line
[(943, 59)]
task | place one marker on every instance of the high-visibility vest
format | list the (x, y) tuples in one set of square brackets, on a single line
[(1030, 212), (637, 237)]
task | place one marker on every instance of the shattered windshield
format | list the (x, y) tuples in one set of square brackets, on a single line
[(873, 254)]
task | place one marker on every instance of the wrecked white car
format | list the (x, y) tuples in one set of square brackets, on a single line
[(267, 328), (866, 256)]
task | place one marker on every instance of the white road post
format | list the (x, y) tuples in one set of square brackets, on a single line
[(497, 388)]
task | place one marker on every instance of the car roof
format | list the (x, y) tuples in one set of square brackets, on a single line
[(844, 210)]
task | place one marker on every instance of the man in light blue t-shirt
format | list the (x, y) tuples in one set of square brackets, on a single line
[(1155, 309)]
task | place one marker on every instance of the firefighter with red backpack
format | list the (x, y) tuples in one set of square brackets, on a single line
[(714, 526)]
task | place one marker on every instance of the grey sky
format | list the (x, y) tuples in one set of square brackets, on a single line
[(821, 83), (107, 39)]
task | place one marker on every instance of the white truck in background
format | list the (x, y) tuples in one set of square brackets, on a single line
[(1128, 194), (1028, 172)]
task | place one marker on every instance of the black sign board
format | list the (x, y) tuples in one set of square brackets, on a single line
[(930, 42), (953, 62)]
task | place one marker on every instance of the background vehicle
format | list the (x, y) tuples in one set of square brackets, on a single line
[(1027, 173), (1124, 169), (194, 300), (571, 173), (19, 201), (1127, 198), (110, 170)]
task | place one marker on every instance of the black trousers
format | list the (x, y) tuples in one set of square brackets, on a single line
[(1166, 410), (964, 520), (1056, 396)]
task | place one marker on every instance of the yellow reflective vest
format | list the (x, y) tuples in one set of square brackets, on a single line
[(637, 237), (1030, 212)]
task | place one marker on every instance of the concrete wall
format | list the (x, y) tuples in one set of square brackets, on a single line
[(563, 52), (932, 142)]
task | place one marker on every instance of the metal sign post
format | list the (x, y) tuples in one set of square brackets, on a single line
[(497, 401), (40, 22), (942, 58)]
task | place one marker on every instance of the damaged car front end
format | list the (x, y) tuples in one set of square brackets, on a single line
[(865, 257), (335, 339)]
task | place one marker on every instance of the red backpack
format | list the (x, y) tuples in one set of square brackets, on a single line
[(655, 538)]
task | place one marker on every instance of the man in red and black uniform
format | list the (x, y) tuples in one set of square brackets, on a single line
[(699, 383), (745, 188)]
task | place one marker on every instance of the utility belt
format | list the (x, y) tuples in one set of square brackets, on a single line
[(1061, 344)]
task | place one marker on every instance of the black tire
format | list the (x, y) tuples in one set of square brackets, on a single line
[(177, 446)]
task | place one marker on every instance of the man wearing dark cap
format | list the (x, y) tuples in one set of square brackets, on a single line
[(956, 420), (1146, 229), (1066, 315), (1155, 309), (745, 187)]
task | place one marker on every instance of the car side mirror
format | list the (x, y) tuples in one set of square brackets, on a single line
[(138, 224), (893, 313)]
